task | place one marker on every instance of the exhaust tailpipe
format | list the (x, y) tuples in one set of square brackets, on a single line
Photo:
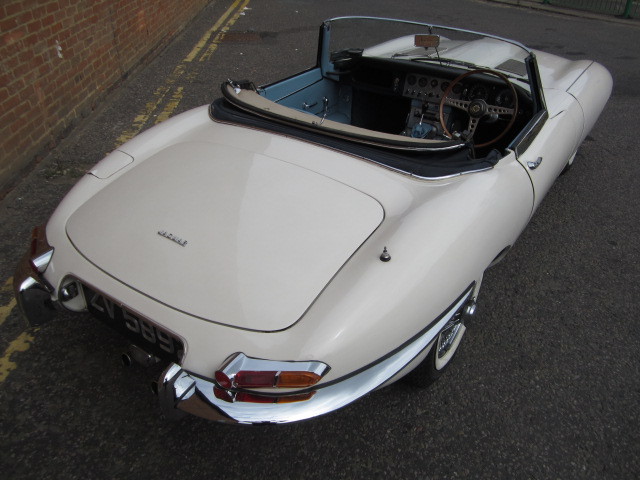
[(135, 354)]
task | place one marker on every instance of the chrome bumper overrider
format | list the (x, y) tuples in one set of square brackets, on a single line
[(182, 390), (33, 294)]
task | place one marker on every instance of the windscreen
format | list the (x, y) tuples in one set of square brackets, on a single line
[(421, 43)]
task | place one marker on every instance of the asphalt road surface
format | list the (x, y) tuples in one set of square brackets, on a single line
[(546, 385)]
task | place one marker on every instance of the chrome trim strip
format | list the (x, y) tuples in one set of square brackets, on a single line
[(185, 391), (528, 135), (42, 261), (428, 25)]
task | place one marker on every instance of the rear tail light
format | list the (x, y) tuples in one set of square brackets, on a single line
[(274, 379), (256, 379), (241, 373)]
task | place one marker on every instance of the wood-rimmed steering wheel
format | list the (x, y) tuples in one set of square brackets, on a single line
[(477, 109)]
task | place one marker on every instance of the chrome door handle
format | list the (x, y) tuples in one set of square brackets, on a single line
[(536, 164)]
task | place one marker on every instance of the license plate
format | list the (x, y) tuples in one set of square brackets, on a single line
[(142, 332)]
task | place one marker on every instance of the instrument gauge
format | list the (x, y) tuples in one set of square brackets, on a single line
[(478, 92), (505, 99)]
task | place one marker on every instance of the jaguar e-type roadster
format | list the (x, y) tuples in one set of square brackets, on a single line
[(291, 247)]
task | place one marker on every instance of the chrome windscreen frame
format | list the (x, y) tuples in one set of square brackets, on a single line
[(181, 390)]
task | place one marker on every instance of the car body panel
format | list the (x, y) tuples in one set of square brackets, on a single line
[(416, 213), (266, 235)]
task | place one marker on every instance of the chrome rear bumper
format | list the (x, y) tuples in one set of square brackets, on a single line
[(33, 294), (182, 390)]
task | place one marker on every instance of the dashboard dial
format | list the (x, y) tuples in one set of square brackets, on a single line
[(505, 99), (478, 92)]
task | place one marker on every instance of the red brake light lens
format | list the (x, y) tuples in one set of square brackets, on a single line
[(255, 379), (223, 380)]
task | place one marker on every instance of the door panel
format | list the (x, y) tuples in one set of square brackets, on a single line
[(548, 153)]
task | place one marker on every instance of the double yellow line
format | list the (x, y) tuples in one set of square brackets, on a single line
[(170, 94), (20, 344), (173, 92)]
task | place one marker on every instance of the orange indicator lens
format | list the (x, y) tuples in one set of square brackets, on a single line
[(297, 379)]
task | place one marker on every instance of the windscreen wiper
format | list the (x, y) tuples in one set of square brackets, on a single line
[(462, 63), (448, 61)]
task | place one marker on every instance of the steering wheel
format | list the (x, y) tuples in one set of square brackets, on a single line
[(477, 109)]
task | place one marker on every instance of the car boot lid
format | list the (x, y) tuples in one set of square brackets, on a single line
[(224, 234)]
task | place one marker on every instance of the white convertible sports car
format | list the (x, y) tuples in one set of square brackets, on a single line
[(292, 247)]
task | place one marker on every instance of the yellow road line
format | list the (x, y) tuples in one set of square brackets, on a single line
[(205, 38), (171, 105), (20, 344), (8, 285), (216, 41), (161, 92), (5, 310)]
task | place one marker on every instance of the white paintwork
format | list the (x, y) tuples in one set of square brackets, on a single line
[(575, 93), (555, 144), (263, 236), (425, 223), (111, 164), (285, 236)]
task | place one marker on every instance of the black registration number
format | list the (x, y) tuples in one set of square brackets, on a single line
[(140, 331)]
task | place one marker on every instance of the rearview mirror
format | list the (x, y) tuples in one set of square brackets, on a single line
[(427, 41)]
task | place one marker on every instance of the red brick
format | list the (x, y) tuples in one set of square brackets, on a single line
[(25, 17), (39, 12), (34, 27), (8, 24), (48, 20), (101, 40), (37, 133), (13, 9)]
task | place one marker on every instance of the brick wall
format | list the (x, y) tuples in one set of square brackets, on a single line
[(59, 57)]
